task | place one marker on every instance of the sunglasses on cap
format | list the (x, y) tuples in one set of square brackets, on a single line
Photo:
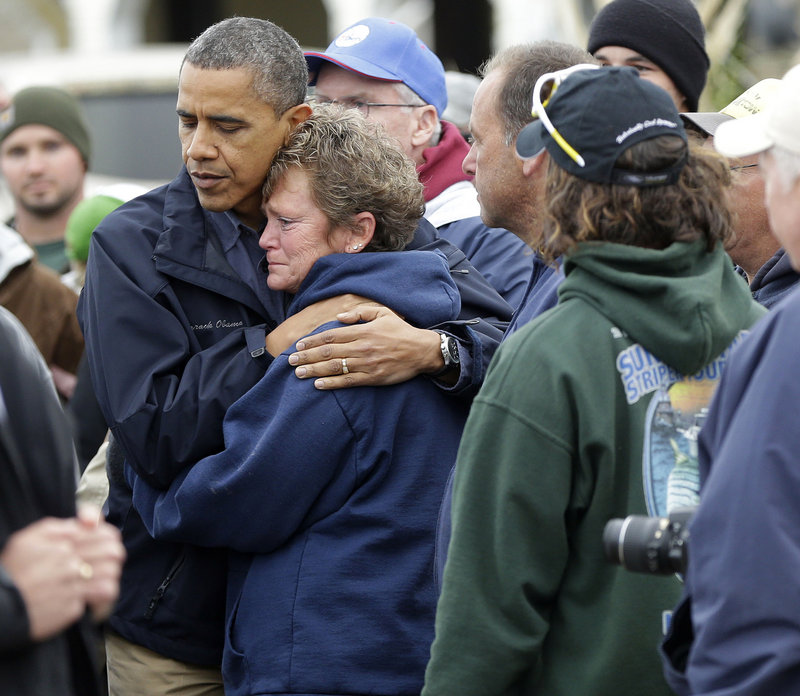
[(543, 91)]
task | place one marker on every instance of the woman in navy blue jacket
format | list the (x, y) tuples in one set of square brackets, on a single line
[(329, 499)]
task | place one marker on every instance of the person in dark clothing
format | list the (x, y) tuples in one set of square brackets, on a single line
[(56, 569), (510, 190), (334, 529), (176, 311), (736, 631), (576, 421)]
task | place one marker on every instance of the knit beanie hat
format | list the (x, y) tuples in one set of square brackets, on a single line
[(48, 106), (670, 33)]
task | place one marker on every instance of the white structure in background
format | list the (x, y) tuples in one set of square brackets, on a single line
[(102, 25), (128, 87), (96, 26)]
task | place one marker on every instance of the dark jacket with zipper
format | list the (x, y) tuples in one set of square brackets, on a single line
[(174, 336)]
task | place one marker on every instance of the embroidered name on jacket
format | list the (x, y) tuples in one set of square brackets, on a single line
[(219, 324)]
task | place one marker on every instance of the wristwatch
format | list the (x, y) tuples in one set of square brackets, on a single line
[(449, 347)]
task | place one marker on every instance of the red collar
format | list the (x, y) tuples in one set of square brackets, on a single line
[(442, 166)]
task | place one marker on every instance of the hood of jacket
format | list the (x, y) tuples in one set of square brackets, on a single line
[(415, 284), (14, 252), (775, 279), (683, 304)]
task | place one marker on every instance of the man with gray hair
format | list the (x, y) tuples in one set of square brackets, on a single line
[(736, 630), (179, 323), (175, 313), (382, 68), (509, 189), (758, 256)]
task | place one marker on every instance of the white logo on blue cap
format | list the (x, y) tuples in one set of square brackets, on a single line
[(352, 36), (642, 125)]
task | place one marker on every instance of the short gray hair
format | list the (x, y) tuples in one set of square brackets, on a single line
[(274, 58), (787, 164), (522, 66)]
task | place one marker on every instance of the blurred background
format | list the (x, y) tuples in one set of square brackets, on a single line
[(122, 56)]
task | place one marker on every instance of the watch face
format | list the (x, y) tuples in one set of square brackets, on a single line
[(452, 347)]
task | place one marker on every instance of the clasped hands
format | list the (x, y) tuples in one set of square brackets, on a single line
[(62, 567)]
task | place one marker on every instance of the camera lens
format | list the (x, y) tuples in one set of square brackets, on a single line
[(638, 543), (612, 538), (649, 544)]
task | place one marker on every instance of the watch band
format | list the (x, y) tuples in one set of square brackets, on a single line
[(450, 357)]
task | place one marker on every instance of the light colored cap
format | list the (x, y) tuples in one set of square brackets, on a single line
[(748, 103), (778, 123)]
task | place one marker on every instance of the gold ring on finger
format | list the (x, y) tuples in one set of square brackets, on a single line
[(85, 570)]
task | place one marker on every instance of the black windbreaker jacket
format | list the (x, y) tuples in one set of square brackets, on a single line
[(173, 337)]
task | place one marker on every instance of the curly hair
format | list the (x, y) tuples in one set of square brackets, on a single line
[(354, 167), (695, 207)]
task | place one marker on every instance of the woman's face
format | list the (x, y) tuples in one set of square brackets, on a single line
[(297, 232)]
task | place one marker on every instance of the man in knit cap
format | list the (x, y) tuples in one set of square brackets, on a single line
[(663, 39), (44, 156)]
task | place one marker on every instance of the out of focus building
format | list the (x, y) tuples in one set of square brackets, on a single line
[(122, 56)]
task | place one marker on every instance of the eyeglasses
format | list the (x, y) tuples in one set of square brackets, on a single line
[(743, 166), (546, 85), (359, 105)]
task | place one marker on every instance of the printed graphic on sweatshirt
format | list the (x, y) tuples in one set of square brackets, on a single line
[(677, 410)]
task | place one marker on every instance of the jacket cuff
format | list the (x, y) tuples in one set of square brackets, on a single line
[(13, 615)]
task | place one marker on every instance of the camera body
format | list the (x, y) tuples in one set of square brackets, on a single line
[(654, 545)]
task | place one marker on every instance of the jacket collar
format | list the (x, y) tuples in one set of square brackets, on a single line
[(189, 248)]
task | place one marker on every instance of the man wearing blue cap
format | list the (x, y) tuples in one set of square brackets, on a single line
[(382, 68), (590, 411)]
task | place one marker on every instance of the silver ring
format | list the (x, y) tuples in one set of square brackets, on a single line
[(344, 366)]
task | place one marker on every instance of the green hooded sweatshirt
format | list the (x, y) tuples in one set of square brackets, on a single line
[(590, 412)]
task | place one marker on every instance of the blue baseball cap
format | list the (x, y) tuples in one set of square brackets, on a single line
[(383, 49)]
